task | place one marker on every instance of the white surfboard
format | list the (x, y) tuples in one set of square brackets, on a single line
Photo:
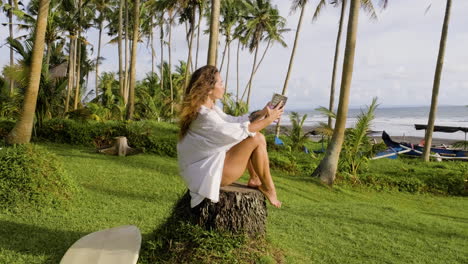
[(118, 245)]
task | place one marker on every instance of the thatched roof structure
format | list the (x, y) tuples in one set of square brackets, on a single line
[(59, 71)]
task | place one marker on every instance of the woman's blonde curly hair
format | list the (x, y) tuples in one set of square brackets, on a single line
[(201, 83)]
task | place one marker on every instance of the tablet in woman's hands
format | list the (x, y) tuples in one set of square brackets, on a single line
[(276, 99)]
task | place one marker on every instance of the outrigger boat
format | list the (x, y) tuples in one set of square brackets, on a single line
[(417, 150)]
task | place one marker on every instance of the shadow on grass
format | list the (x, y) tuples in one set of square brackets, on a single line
[(392, 224), (463, 220), (125, 194), (38, 241)]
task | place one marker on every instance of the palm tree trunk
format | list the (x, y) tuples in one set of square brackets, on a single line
[(119, 44), (97, 60), (224, 55), (12, 56), (214, 32), (189, 59), (127, 55), (153, 52), (136, 26), (47, 59), (237, 66), (335, 62), (291, 61), (227, 67), (70, 71), (198, 35), (435, 89), (161, 82), (256, 69), (251, 77), (329, 164), (169, 42), (21, 132), (78, 75)]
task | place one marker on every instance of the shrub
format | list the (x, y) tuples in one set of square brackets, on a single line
[(5, 127), (31, 176), (415, 176), (155, 137)]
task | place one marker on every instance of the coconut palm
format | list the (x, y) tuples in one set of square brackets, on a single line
[(436, 85), (328, 166), (188, 11), (263, 24), (230, 14), (368, 7), (136, 32), (296, 5), (202, 6), (214, 32), (103, 7), (22, 131)]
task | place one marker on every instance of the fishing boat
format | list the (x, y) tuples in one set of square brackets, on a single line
[(417, 150)]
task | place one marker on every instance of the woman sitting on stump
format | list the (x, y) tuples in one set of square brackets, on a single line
[(214, 148)]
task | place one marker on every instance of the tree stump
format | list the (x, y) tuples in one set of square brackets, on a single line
[(120, 148), (240, 210)]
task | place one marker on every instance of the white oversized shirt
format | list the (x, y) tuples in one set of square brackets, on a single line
[(202, 151)]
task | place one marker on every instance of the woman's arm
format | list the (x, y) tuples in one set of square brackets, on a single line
[(270, 116)]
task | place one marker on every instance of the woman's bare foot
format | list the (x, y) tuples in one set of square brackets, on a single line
[(254, 182), (271, 196)]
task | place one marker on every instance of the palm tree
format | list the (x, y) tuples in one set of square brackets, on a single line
[(10, 28), (136, 27), (263, 23), (436, 85), (214, 32), (188, 14), (369, 8), (230, 13), (296, 4), (22, 131), (328, 166), (120, 49), (103, 7)]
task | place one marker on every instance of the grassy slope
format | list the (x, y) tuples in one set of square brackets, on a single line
[(315, 225)]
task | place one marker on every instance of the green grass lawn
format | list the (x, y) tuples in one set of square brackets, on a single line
[(315, 225)]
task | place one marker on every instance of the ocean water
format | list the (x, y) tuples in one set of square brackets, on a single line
[(399, 121)]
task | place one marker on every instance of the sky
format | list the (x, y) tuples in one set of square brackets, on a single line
[(395, 57)]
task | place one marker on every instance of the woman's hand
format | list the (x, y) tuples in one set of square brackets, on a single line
[(274, 113)]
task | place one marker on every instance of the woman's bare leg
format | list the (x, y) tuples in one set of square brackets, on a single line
[(237, 158), (254, 180)]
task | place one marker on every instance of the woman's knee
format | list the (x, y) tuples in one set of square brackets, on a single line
[(260, 138)]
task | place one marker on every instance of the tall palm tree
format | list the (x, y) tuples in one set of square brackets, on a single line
[(231, 14), (103, 7), (436, 85), (214, 32), (120, 49), (263, 23), (328, 166), (368, 8), (136, 27), (202, 6), (21, 132), (10, 28), (188, 14), (296, 4)]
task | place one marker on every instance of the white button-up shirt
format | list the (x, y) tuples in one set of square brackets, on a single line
[(202, 151)]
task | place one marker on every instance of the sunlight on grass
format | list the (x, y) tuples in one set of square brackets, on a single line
[(315, 225)]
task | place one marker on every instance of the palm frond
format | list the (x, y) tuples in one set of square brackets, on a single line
[(318, 10), (326, 112)]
